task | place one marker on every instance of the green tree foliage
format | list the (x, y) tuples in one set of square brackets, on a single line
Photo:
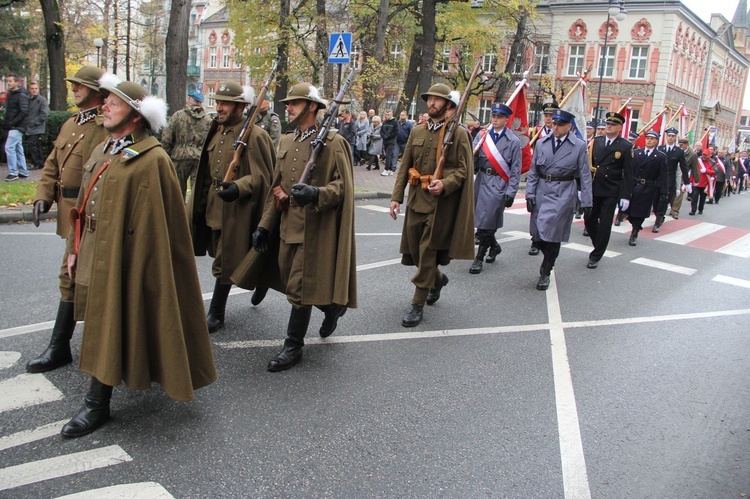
[(16, 40)]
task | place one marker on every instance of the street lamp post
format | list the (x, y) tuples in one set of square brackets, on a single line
[(98, 43), (617, 10)]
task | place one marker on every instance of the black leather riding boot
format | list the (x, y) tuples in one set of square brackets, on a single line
[(258, 295), (633, 237), (476, 267), (57, 353), (332, 315), (93, 413), (494, 250), (215, 317), (291, 354)]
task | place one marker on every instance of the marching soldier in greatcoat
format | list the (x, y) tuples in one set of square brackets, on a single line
[(60, 182), (225, 214), (137, 284), (269, 121), (496, 183), (650, 184), (612, 182), (317, 256), (676, 165), (184, 136), (551, 190), (548, 110), (439, 222)]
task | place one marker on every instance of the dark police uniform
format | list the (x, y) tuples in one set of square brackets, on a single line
[(650, 185)]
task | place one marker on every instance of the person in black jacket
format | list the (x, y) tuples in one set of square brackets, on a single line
[(650, 184), (389, 133), (612, 182), (16, 111), (675, 160), (348, 129)]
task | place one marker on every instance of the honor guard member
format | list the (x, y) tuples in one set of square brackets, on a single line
[(137, 284), (316, 229), (60, 182), (601, 128), (269, 121), (496, 183), (183, 138), (612, 181), (691, 162), (225, 214), (679, 176), (590, 130), (650, 184), (551, 190), (548, 111), (439, 222)]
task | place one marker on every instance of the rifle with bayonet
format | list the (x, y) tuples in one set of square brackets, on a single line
[(281, 198), (247, 128)]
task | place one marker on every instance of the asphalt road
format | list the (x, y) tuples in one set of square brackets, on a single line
[(630, 380)]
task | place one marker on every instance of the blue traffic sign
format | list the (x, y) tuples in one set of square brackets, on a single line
[(340, 48)]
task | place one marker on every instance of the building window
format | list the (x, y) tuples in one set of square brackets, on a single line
[(193, 60), (743, 121), (485, 111), (390, 101), (638, 61), (575, 61), (488, 62), (445, 58), (210, 95), (541, 59), (634, 114), (225, 56), (212, 57), (600, 113), (356, 51), (606, 62), (237, 64), (397, 51)]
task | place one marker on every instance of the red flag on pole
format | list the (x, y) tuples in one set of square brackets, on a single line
[(627, 114), (520, 126)]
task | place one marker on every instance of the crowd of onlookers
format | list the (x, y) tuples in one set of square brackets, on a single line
[(375, 140)]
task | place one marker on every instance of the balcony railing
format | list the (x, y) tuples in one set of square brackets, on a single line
[(193, 70)]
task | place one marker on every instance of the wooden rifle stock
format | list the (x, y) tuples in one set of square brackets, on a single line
[(281, 198), (450, 129), (247, 128)]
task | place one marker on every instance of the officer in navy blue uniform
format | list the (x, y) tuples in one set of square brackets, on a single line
[(612, 182), (493, 193), (675, 160), (649, 184)]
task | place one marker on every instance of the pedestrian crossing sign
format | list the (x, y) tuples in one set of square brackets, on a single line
[(340, 48)]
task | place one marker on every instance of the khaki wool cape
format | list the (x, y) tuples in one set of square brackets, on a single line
[(330, 268), (239, 218), (452, 219), (144, 316)]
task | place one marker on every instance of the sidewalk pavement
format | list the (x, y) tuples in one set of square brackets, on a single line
[(367, 185)]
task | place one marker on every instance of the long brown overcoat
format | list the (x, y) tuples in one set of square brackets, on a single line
[(239, 218), (330, 267), (64, 165), (452, 212), (141, 302)]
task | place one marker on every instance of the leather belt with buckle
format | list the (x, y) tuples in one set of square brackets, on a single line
[(69, 192), (491, 171), (558, 178), (644, 181)]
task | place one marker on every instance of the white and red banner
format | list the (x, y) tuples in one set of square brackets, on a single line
[(495, 158), (628, 115), (577, 104)]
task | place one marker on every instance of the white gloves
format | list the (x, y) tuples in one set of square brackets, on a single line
[(688, 188), (703, 169), (579, 195), (677, 193), (624, 204)]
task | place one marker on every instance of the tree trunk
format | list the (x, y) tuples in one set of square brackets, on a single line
[(55, 41), (412, 76), (177, 54), (127, 40), (105, 49), (371, 89), (322, 52), (517, 48), (282, 50), (429, 42)]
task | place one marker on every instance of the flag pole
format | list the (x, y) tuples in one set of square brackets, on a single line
[(676, 114), (565, 99), (650, 123), (507, 103), (622, 108)]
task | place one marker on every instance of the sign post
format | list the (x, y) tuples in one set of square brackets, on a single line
[(340, 51)]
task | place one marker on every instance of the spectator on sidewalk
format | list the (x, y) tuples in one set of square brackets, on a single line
[(389, 133), (376, 143), (348, 129), (16, 111), (36, 126), (363, 132), (404, 129)]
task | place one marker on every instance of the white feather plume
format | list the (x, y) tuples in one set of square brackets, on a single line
[(248, 94), (154, 110), (455, 97), (109, 80), (313, 93)]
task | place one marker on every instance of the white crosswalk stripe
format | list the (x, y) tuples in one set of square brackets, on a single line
[(656, 264), (26, 390), (28, 436), (690, 234), (739, 247), (55, 467), (734, 281), (141, 490)]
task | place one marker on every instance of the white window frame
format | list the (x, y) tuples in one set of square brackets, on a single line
[(489, 61), (576, 60), (485, 111), (638, 62), (609, 62), (397, 50), (445, 59), (635, 115), (210, 95), (541, 59), (225, 57), (212, 57)]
